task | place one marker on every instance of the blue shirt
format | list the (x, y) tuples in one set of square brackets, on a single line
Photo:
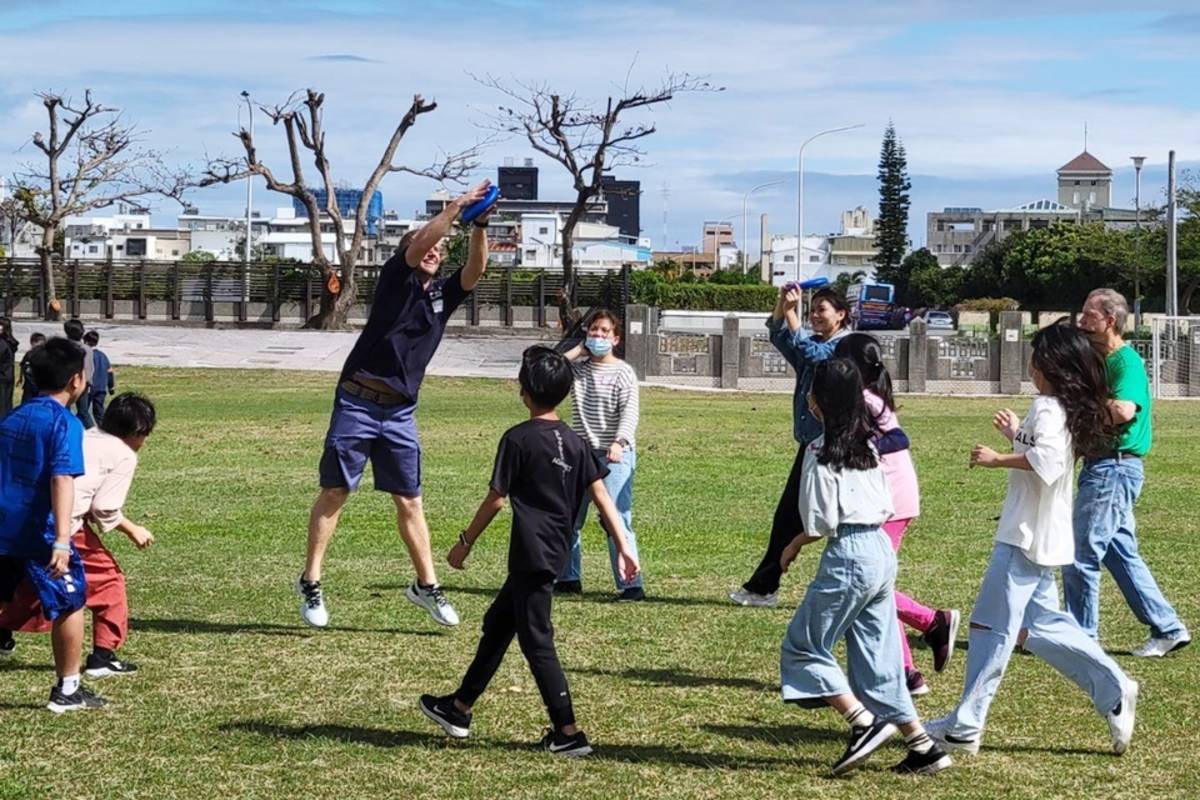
[(803, 353), (38, 441), (404, 327), (102, 378)]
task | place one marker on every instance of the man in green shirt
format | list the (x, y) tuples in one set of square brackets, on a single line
[(1108, 488)]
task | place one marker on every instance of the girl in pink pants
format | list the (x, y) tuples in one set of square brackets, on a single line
[(938, 628)]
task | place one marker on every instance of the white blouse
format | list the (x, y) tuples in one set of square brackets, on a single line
[(831, 497)]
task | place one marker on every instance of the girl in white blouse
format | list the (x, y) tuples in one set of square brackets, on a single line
[(844, 498)]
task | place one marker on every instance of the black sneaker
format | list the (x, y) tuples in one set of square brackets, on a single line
[(633, 594), (568, 587), (443, 711), (941, 635), (7, 644), (82, 700), (103, 666), (559, 744), (864, 740), (916, 683), (930, 762)]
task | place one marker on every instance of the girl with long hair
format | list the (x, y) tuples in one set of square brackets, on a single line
[(1018, 600)]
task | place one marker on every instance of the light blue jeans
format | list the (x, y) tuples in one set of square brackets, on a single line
[(619, 484), (1017, 593), (1105, 534), (851, 596)]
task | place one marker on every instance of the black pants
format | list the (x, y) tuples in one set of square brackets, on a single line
[(785, 527), (6, 396), (522, 609), (97, 399), (83, 408)]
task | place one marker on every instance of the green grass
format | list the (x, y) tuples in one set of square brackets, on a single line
[(236, 699)]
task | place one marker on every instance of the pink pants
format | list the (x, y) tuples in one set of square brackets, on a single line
[(908, 611)]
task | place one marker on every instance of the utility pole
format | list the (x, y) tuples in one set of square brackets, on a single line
[(1172, 254)]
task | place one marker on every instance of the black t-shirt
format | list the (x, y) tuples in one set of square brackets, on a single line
[(405, 326), (545, 469)]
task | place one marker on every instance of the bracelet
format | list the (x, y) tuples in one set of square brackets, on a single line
[(477, 224), (62, 548), (463, 540)]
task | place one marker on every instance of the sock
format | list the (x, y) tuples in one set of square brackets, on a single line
[(69, 684), (425, 586), (102, 653), (859, 717), (919, 742)]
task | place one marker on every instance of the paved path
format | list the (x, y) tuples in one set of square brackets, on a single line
[(164, 346)]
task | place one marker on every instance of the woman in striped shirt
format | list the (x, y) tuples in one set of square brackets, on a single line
[(605, 399)]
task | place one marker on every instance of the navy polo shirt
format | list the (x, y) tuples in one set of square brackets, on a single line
[(405, 326)]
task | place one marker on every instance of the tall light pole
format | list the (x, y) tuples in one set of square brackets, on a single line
[(249, 182), (800, 188), (745, 199), (1137, 221), (1172, 232)]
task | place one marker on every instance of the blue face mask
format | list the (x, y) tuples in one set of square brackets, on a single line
[(598, 346)]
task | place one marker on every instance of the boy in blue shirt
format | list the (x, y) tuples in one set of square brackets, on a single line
[(41, 454), (104, 383)]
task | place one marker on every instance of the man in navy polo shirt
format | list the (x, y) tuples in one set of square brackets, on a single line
[(376, 398)]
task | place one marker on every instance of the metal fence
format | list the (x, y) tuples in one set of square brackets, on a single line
[(1174, 352)]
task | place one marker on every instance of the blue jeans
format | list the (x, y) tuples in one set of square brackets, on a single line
[(1105, 534), (1017, 593), (619, 485), (851, 596)]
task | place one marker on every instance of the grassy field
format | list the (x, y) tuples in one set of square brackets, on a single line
[(236, 698)]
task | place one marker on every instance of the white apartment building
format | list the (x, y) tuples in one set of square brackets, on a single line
[(596, 247)]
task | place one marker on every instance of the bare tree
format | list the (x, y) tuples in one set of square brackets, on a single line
[(587, 138), (302, 120), (93, 159), (12, 222)]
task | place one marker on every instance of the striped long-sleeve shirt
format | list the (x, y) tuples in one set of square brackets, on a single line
[(606, 402)]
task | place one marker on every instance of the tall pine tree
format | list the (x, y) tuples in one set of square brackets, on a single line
[(891, 229)]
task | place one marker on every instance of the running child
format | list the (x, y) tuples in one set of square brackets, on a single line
[(1068, 419), (547, 471), (29, 388), (844, 498), (938, 628)]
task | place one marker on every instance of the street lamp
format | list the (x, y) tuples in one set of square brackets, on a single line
[(249, 180), (1137, 221), (800, 188), (745, 238)]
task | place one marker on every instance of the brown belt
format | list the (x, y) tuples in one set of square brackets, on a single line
[(372, 395)]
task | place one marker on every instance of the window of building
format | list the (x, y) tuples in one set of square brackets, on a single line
[(1075, 198), (941, 225), (1093, 183), (174, 252), (966, 248), (958, 248), (789, 259), (531, 255), (814, 259), (1092, 198), (93, 249), (120, 247), (1077, 183), (543, 231)]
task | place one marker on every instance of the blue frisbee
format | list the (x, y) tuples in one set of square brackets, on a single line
[(471, 212), (813, 283)]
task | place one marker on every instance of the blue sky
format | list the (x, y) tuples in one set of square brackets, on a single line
[(988, 100)]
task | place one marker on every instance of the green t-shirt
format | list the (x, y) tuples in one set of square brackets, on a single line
[(1127, 381)]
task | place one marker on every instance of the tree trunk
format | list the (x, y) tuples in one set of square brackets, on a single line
[(1185, 302), (53, 309), (334, 311), (568, 316)]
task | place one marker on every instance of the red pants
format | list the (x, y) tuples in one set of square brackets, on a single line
[(105, 597)]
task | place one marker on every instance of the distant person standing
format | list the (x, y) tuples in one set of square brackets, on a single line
[(104, 382), (8, 365), (73, 328), (29, 389)]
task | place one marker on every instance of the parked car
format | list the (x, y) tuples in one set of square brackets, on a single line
[(939, 320)]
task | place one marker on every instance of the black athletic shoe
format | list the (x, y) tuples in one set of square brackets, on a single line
[(930, 762), (103, 666), (82, 700), (633, 594), (7, 644), (864, 740), (568, 587), (443, 711), (559, 744)]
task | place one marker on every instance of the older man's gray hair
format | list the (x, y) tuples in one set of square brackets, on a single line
[(1113, 304)]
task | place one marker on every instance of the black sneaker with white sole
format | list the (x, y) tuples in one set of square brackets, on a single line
[(864, 740), (104, 665), (7, 644), (81, 700), (931, 762), (559, 744), (443, 711)]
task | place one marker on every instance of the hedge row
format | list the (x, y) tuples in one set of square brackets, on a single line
[(703, 296)]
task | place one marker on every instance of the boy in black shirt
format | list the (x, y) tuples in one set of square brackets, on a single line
[(546, 469)]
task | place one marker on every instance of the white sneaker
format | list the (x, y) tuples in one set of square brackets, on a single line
[(747, 598), (312, 602), (1154, 648), (434, 601), (1120, 724), (939, 731)]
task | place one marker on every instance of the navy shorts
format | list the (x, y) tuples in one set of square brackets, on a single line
[(58, 596), (360, 430)]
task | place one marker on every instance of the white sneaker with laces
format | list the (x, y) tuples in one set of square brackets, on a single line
[(1154, 648), (433, 600), (742, 597), (312, 602), (939, 731), (1120, 723)]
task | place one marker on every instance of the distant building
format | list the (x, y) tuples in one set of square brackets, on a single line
[(347, 205), (717, 235), (518, 183), (849, 251), (595, 247), (223, 237), (624, 200), (126, 235)]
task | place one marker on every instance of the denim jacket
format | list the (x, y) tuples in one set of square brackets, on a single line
[(803, 353)]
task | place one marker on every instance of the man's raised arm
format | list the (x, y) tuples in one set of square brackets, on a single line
[(431, 233)]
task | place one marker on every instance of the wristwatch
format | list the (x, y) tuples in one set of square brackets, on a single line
[(623, 442)]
